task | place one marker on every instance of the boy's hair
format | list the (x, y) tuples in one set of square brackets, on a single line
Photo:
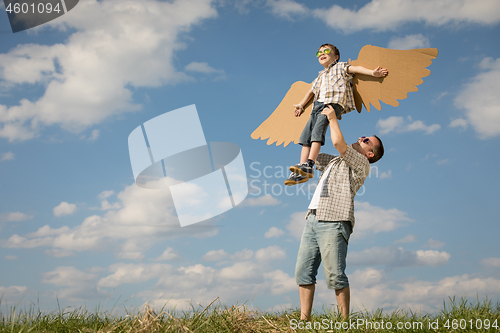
[(378, 152), (334, 49)]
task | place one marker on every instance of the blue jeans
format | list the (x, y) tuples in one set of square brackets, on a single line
[(317, 124), (323, 241)]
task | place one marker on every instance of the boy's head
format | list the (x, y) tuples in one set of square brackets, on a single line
[(327, 53)]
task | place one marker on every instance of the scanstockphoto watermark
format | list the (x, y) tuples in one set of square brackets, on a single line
[(269, 180), (355, 324)]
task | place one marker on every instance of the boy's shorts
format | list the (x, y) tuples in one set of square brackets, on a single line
[(317, 124), (326, 243)]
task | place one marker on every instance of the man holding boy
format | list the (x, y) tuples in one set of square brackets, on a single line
[(330, 218), (331, 87)]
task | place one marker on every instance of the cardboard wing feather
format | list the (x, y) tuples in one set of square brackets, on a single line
[(406, 69)]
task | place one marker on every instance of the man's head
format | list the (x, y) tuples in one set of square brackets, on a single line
[(327, 53), (371, 147)]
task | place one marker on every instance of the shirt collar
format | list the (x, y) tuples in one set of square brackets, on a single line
[(329, 66)]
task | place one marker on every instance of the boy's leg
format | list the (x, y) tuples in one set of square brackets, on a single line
[(314, 151), (304, 155), (301, 172)]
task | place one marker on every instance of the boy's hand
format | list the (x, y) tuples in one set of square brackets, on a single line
[(298, 110), (379, 72)]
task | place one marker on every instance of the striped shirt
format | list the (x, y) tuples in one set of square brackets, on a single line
[(347, 174), (338, 84)]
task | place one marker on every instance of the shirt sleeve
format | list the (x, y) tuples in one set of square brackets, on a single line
[(347, 75), (357, 162), (322, 161)]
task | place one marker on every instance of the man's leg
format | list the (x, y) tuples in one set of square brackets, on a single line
[(306, 294), (343, 300), (306, 269), (333, 242)]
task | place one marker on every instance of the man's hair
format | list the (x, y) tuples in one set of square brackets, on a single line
[(333, 47), (378, 152)]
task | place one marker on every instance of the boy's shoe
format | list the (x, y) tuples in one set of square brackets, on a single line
[(295, 179), (303, 169)]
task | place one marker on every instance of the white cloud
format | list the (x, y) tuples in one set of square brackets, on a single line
[(168, 254), (274, 232), (409, 42), (407, 239), (398, 257), (64, 208), (434, 244), (202, 67), (480, 100), (12, 291), (459, 122), (375, 289), (145, 217), (296, 224), (15, 217), (94, 135), (11, 257), (77, 285), (383, 15), (98, 63), (387, 174), (235, 282), (270, 253), (281, 282), (372, 219), (400, 125), (105, 194), (265, 200), (242, 255), (493, 262), (215, 255), (8, 156), (287, 8), (432, 258), (132, 273), (67, 276)]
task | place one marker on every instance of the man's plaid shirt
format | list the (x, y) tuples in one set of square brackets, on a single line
[(346, 176), (339, 86)]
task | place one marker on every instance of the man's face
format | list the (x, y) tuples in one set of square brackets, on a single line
[(326, 59), (365, 145)]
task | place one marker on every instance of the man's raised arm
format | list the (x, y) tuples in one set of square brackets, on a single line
[(337, 137)]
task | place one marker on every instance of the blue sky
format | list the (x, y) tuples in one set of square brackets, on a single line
[(75, 228)]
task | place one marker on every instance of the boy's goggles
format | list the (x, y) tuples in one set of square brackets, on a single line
[(325, 51)]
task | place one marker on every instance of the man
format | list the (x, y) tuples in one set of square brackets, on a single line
[(330, 218)]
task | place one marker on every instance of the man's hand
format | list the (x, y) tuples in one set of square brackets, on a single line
[(379, 72), (329, 112), (298, 110)]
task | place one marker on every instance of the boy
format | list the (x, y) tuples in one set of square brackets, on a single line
[(332, 87)]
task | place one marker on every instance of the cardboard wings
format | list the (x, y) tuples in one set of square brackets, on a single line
[(406, 69)]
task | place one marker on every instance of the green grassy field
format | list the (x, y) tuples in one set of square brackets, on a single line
[(455, 316)]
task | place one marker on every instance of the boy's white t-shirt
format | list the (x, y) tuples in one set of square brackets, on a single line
[(317, 193), (322, 91)]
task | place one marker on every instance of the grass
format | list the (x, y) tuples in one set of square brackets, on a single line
[(456, 316)]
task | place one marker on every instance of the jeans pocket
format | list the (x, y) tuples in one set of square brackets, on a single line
[(345, 229)]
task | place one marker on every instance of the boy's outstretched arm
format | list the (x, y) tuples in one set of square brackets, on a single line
[(337, 137), (299, 108), (377, 72)]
